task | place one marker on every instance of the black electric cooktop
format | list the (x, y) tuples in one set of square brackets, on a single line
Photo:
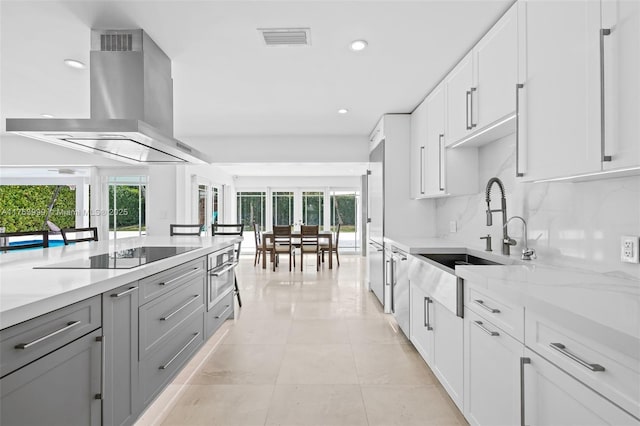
[(121, 259)]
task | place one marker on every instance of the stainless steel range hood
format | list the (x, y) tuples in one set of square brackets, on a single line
[(131, 106)]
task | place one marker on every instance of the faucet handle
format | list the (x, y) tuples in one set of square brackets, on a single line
[(509, 241), (528, 254), (488, 246)]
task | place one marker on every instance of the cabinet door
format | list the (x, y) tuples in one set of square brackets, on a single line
[(448, 351), (555, 398), (58, 389), (496, 63), (491, 373), (418, 147), (435, 156), (458, 86), (120, 325), (421, 326), (621, 56), (561, 94)]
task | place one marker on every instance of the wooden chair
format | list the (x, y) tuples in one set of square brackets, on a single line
[(309, 243), (5, 236), (181, 229), (78, 239), (258, 239), (231, 229), (325, 246), (281, 243)]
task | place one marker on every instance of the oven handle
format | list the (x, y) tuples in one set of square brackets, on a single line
[(218, 272)]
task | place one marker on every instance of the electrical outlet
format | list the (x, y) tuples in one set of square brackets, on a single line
[(453, 226), (629, 249)]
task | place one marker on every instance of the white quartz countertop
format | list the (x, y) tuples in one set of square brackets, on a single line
[(26, 292), (599, 305)]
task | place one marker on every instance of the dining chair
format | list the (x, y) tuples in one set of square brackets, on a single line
[(74, 238), (231, 229), (6, 236), (324, 247), (309, 243), (258, 239), (281, 243), (184, 229)]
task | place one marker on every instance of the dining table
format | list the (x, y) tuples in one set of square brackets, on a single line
[(322, 235)]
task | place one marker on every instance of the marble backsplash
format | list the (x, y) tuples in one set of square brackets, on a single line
[(576, 224)]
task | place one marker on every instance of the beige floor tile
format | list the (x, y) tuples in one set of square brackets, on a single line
[(321, 405), (382, 331), (407, 406), (265, 331), (318, 331), (318, 364), (317, 310), (221, 405), (385, 364), (241, 364)]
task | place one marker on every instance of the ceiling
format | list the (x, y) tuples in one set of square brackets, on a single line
[(226, 82)]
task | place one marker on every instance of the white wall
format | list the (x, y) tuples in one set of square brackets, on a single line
[(569, 223)]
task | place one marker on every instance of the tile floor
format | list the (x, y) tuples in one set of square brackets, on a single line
[(307, 348)]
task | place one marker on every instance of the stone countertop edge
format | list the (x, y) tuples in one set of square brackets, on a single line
[(21, 301)]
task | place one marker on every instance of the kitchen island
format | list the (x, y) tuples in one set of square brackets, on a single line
[(92, 333)]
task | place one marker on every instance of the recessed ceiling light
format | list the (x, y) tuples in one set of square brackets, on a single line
[(358, 45), (46, 115), (74, 63), (343, 111)]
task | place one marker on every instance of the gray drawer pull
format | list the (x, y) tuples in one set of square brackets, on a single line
[(486, 308), (193, 299), (69, 326), (481, 326), (165, 366), (217, 273), (131, 289), (223, 312), (563, 350), (191, 272)]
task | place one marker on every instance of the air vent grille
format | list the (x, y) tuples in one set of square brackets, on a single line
[(286, 36), (116, 42)]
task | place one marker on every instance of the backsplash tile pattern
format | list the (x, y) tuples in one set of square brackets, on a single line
[(575, 224)]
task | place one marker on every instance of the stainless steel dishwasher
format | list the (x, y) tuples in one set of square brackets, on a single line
[(221, 267)]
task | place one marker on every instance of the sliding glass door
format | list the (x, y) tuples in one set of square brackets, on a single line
[(127, 212), (282, 207), (313, 208), (345, 207)]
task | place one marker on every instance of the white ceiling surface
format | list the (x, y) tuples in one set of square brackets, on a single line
[(294, 169), (226, 82)]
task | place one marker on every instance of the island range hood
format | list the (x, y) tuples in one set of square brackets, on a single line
[(131, 106)]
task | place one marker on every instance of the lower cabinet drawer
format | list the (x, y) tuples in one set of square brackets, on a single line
[(614, 375), (166, 313), (164, 282), (30, 340), (219, 313), (176, 349), (508, 316)]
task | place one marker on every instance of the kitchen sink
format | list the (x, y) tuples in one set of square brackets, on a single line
[(451, 260)]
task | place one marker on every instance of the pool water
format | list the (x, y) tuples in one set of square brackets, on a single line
[(52, 243)]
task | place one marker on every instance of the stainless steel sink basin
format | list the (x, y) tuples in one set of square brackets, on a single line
[(451, 260)]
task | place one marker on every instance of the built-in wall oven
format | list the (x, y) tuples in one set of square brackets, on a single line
[(221, 269)]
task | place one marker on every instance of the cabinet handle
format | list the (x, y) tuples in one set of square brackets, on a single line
[(473, 89), (603, 32), (223, 312), (563, 350), (485, 307), (69, 326), (217, 273), (467, 96), (193, 299), (422, 169), (130, 290), (427, 321), (440, 143), (518, 87), (191, 272), (165, 366), (482, 327), (387, 274), (523, 361), (103, 369)]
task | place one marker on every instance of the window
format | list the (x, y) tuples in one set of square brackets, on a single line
[(282, 208), (313, 208), (251, 208), (28, 207)]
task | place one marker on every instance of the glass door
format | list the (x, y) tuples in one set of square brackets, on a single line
[(217, 208), (282, 207), (345, 207), (251, 208), (127, 207), (313, 208)]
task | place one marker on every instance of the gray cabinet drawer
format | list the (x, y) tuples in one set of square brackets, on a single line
[(162, 315), (163, 282), (219, 313), (25, 342), (161, 365)]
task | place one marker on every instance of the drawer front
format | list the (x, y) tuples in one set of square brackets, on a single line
[(162, 365), (510, 318), (613, 375), (164, 314), (163, 282), (30, 340), (219, 313)]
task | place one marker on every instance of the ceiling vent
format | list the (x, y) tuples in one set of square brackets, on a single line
[(286, 37)]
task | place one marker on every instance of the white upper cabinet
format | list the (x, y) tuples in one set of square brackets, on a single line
[(435, 156), (459, 86), (621, 62), (418, 148)]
